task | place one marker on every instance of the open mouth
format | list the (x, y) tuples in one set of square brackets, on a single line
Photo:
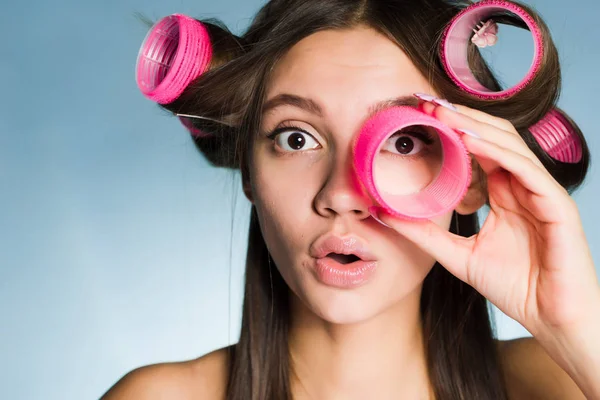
[(344, 258)]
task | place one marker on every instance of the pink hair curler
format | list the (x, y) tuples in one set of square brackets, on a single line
[(459, 33), (441, 195), (175, 52), (557, 136)]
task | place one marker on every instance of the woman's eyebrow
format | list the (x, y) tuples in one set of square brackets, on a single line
[(313, 107)]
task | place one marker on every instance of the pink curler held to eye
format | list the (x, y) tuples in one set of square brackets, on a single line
[(441, 194), (459, 34), (176, 50), (558, 138)]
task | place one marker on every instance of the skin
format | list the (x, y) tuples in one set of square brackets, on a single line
[(367, 342), (301, 195)]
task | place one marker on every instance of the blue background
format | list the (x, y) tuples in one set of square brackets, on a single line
[(119, 245)]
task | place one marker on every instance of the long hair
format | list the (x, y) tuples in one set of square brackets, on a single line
[(459, 337)]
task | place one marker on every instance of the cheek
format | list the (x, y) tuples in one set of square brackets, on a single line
[(283, 198), (410, 263), (284, 187)]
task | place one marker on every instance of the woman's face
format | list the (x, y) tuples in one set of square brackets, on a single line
[(303, 184)]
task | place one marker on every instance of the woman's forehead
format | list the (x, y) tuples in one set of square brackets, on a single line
[(341, 66)]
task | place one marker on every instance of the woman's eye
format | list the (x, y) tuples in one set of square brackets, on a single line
[(403, 144), (294, 140)]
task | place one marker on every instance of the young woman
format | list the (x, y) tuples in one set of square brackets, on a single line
[(290, 96)]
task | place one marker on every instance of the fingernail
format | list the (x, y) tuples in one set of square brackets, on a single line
[(424, 97), (375, 214), (445, 103), (472, 134)]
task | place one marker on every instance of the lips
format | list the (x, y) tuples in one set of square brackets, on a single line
[(342, 262), (342, 249)]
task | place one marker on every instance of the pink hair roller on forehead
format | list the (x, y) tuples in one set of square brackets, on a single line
[(176, 51), (443, 194), (459, 33)]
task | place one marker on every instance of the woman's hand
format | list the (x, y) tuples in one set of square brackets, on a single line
[(530, 258)]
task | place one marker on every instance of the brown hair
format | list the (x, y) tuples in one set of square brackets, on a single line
[(460, 349)]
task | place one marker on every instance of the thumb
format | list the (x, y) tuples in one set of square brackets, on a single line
[(450, 250)]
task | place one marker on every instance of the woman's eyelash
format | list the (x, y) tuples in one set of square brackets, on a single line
[(273, 134), (423, 135)]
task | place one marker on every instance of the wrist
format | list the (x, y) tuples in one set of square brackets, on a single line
[(576, 349)]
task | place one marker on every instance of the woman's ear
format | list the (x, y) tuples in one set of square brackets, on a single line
[(246, 186), (248, 192), (476, 196)]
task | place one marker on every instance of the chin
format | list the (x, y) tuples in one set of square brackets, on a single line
[(360, 304), (340, 312), (338, 306)]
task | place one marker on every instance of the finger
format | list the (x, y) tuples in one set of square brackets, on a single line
[(450, 250), (486, 118), (492, 156), (536, 208), (428, 103), (490, 133), (427, 107), (491, 128), (500, 194), (507, 194)]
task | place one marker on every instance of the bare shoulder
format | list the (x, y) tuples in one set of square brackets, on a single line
[(531, 374), (204, 378)]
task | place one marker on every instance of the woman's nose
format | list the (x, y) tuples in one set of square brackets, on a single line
[(342, 194)]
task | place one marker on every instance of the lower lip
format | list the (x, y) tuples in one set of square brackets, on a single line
[(344, 276)]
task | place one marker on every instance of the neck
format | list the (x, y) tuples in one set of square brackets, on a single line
[(379, 358)]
